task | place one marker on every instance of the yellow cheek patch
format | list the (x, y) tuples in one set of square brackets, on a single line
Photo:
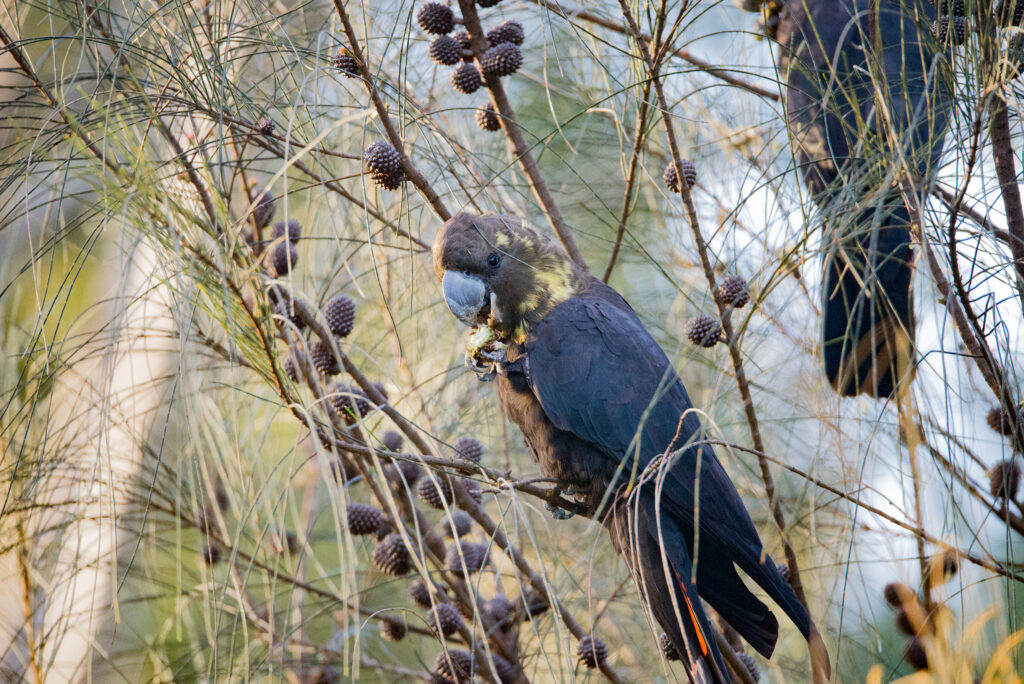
[(502, 240)]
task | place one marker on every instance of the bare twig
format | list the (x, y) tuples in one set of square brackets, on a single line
[(519, 147), (949, 200), (631, 176), (571, 13), (996, 567), (29, 605), (413, 174), (739, 670), (1002, 154), (970, 331), (9, 45)]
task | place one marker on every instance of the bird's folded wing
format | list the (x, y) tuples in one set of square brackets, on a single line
[(599, 374)]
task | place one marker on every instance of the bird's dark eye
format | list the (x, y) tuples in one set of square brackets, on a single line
[(493, 260)]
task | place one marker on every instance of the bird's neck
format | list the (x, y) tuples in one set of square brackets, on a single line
[(554, 281)]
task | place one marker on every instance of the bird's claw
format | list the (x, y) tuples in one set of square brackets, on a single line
[(485, 371), (559, 513), (497, 356)]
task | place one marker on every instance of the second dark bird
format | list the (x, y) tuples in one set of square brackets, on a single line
[(867, 98)]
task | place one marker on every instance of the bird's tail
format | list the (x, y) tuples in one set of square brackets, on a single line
[(662, 568), (766, 574), (868, 312)]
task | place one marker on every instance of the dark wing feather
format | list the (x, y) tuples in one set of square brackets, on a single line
[(721, 586), (596, 370), (599, 374)]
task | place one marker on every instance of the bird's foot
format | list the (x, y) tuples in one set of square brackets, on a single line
[(496, 355), (559, 513), (484, 369), (484, 353)]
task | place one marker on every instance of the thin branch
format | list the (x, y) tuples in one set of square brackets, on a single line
[(1006, 172), (575, 13), (520, 149), (992, 565), (963, 326), (30, 609), (631, 176), (411, 172), (948, 199), (732, 660), (9, 45), (966, 323)]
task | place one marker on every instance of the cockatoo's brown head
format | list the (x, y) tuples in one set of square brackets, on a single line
[(492, 268)]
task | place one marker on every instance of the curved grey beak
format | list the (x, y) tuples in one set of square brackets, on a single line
[(464, 294)]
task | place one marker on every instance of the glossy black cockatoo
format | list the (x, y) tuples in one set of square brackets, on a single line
[(867, 125), (603, 411)]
